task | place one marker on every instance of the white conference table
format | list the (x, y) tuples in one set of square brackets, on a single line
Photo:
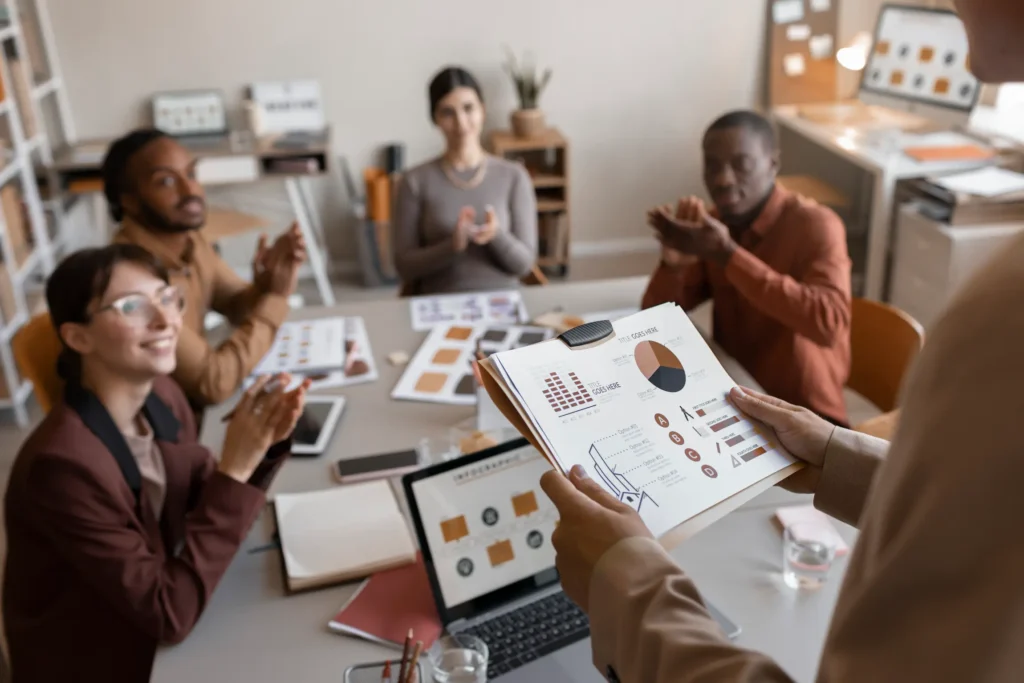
[(251, 631)]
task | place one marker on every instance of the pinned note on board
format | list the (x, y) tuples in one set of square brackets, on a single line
[(794, 65), (787, 11), (821, 46), (798, 32)]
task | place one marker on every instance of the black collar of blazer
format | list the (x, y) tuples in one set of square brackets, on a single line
[(95, 416)]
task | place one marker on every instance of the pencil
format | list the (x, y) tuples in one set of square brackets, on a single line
[(414, 662), (406, 651)]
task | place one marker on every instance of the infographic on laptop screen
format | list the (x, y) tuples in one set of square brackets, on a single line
[(646, 414), (488, 524)]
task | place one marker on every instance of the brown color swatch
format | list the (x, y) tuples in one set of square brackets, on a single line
[(357, 368), (883, 48), (524, 504), (500, 553), (446, 356), (454, 529), (927, 54), (896, 78), (459, 333), (431, 382), (466, 386), (942, 86)]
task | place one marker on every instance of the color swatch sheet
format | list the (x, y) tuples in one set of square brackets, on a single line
[(441, 370), (357, 366), (497, 308), (488, 524), (306, 346), (646, 414)]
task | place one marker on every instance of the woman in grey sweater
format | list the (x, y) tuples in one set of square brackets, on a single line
[(466, 221)]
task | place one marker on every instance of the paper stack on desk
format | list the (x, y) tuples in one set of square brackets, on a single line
[(645, 412)]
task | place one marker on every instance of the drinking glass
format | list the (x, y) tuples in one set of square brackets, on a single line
[(459, 658), (807, 554)]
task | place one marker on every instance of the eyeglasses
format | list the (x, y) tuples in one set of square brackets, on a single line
[(140, 309)]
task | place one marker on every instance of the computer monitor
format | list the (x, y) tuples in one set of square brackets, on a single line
[(919, 64)]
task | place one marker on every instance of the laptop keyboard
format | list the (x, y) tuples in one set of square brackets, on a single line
[(530, 632)]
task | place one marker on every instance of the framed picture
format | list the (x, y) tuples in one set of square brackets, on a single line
[(196, 112)]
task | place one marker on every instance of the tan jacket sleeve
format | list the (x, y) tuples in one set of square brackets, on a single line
[(851, 461), (648, 624), (233, 297), (211, 375)]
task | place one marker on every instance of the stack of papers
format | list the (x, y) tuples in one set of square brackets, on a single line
[(985, 182), (646, 413), (494, 308)]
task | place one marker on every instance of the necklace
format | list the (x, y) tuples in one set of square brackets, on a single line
[(473, 182)]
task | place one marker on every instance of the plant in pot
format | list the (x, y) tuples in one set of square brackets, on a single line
[(528, 120)]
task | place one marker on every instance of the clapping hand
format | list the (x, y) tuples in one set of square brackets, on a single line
[(691, 230), (276, 268), (261, 419), (485, 233)]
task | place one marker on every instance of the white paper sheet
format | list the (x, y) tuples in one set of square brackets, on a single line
[(798, 32), (495, 308), (821, 47), (787, 11), (646, 414), (985, 182), (821, 5), (794, 65)]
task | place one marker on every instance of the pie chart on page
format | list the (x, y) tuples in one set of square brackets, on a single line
[(660, 366)]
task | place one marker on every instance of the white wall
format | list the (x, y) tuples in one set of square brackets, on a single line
[(634, 82)]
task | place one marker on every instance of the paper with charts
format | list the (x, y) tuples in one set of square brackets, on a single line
[(646, 414), (496, 308)]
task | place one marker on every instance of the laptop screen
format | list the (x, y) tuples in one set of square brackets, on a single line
[(484, 526)]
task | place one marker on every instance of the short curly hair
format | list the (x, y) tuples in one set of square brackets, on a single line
[(115, 166)]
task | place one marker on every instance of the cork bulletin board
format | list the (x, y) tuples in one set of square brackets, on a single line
[(802, 44)]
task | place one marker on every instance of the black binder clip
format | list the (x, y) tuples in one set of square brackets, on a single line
[(588, 333)]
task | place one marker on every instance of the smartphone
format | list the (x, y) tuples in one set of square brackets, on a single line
[(380, 466), (732, 631)]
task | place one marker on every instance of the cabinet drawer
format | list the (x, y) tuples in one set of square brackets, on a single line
[(918, 297), (923, 250)]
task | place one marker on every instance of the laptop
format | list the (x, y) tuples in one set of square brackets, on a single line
[(484, 527)]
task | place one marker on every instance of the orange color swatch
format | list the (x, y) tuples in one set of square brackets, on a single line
[(942, 86), (897, 78), (953, 153), (500, 553), (524, 504), (454, 529)]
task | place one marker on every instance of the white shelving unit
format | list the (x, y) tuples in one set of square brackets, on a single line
[(26, 96)]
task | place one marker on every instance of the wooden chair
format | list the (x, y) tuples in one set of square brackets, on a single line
[(535, 277), (883, 342), (36, 349)]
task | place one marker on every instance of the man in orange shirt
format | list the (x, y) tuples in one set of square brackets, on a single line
[(775, 264)]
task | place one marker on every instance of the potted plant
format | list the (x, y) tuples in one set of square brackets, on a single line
[(528, 120)]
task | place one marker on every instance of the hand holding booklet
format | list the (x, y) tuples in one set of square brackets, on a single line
[(642, 405)]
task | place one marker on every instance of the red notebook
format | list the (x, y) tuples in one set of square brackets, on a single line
[(388, 604)]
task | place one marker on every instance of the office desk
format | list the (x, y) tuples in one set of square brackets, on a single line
[(222, 161), (885, 167), (252, 632)]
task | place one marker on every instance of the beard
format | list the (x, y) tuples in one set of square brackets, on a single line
[(158, 222)]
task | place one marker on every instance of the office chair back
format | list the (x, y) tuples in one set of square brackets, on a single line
[(883, 342), (36, 349)]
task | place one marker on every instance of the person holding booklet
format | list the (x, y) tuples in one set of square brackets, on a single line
[(933, 590), (775, 264), (150, 184), (119, 523)]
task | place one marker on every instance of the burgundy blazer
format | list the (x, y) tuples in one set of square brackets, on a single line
[(93, 583)]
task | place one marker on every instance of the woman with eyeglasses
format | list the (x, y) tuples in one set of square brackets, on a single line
[(119, 524)]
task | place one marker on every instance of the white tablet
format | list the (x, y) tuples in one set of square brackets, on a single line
[(315, 427)]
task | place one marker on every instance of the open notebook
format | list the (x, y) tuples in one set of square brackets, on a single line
[(341, 534)]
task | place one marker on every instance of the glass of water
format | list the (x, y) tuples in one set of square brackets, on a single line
[(808, 550), (459, 658)]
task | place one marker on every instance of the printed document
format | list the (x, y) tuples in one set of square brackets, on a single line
[(645, 413)]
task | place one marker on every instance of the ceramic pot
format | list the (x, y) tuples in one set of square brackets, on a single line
[(528, 123)]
